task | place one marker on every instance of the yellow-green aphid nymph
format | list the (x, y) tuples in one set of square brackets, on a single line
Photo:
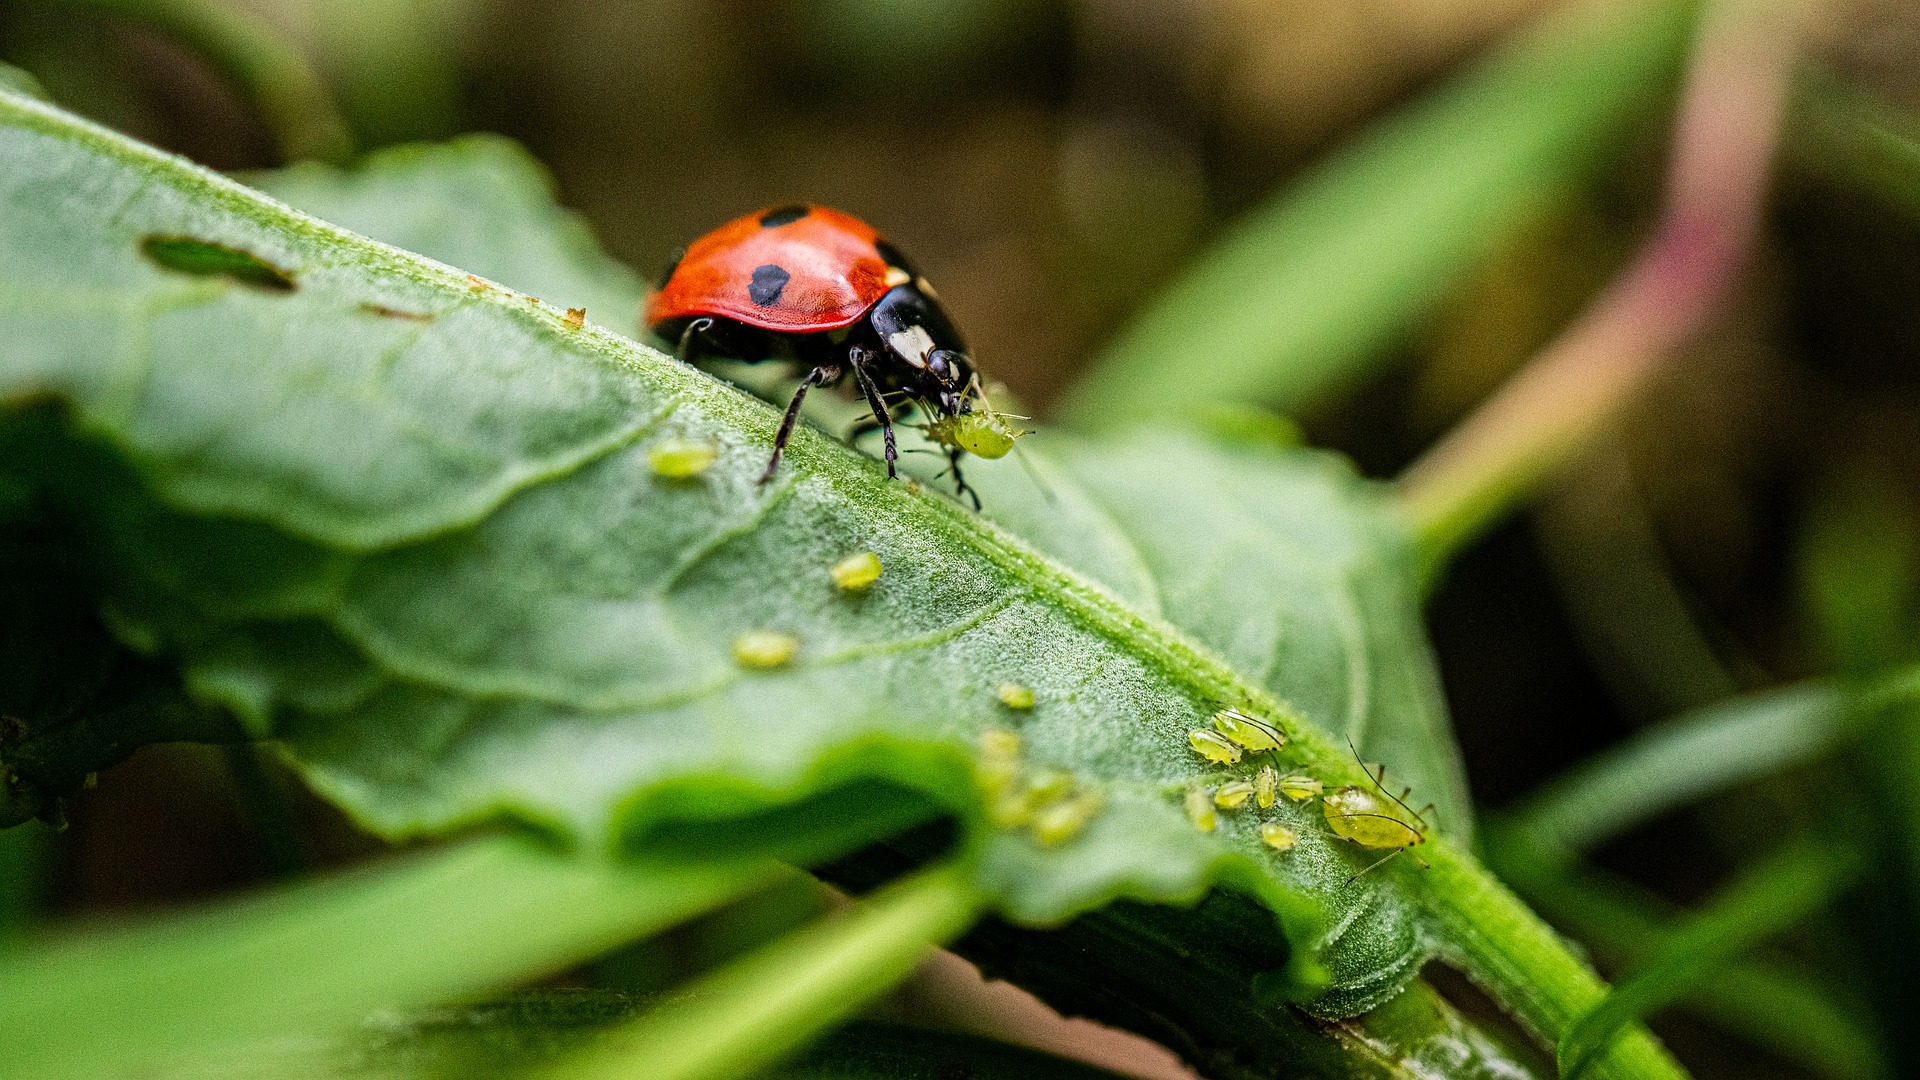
[(1061, 820), (1017, 803), (982, 433), (681, 459), (1255, 735), (1353, 813), (1278, 836), (1383, 824), (999, 744), (1265, 783), (1232, 794), (1301, 788), (764, 648), (1015, 696), (857, 571), (1213, 746), (999, 763), (1200, 810)]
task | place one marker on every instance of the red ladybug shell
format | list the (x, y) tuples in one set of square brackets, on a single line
[(778, 269)]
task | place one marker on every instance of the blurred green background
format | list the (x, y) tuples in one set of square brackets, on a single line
[(1052, 166)]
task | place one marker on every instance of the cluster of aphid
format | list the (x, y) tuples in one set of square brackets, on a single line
[(1048, 803), (1353, 813)]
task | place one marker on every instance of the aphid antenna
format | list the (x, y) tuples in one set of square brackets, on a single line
[(1375, 865), (1033, 474), (1379, 785)]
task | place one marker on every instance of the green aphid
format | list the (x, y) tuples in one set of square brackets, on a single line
[(764, 649), (1062, 819), (1382, 823), (1232, 794), (855, 572), (1278, 836), (1265, 783), (1200, 810), (1301, 788), (1255, 735), (1015, 696), (681, 459), (1214, 746), (982, 433)]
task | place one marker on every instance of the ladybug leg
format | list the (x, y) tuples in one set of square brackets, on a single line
[(683, 352), (960, 485), (860, 355), (820, 376)]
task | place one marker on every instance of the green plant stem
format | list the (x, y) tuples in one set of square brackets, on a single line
[(754, 1011), (1490, 934), (1770, 1004), (1767, 900), (282, 82), (1569, 394), (323, 956)]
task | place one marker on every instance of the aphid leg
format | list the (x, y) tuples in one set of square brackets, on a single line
[(683, 352), (819, 376), (1376, 864), (960, 485)]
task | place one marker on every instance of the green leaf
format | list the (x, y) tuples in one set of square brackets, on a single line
[(1677, 762), (478, 202), (1781, 1006), (1849, 135), (1306, 293), (327, 954), (1767, 900), (505, 1036), (756, 1010), (1284, 563), (407, 523)]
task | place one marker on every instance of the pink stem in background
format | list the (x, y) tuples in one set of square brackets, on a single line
[(1724, 139)]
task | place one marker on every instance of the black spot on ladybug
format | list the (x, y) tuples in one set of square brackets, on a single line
[(784, 215), (673, 264), (204, 258), (893, 257), (768, 280)]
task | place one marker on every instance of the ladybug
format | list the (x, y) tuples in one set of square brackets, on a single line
[(814, 286)]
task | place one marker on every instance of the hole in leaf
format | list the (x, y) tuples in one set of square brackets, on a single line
[(204, 258)]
